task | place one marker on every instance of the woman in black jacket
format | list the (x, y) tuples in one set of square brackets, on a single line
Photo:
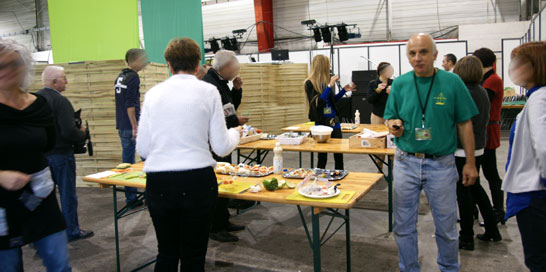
[(29, 212), (470, 70), (378, 91)]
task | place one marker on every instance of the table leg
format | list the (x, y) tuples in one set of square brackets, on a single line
[(258, 157), (300, 161), (116, 227), (312, 159), (316, 239), (348, 239), (389, 179), (238, 155)]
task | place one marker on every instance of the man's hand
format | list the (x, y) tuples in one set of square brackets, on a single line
[(396, 127), (242, 120), (135, 132), (238, 83), (349, 87), (13, 180), (333, 81), (389, 90), (470, 174), (82, 128)]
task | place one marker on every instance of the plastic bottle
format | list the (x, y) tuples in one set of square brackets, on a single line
[(277, 159), (357, 118)]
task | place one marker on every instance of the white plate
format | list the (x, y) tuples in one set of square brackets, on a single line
[(318, 197)]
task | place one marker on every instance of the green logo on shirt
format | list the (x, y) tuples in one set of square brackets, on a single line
[(440, 99)]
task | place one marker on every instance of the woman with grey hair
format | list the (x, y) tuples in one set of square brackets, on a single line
[(225, 68), (29, 212)]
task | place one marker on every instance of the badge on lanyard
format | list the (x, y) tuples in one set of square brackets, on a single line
[(327, 110), (423, 133)]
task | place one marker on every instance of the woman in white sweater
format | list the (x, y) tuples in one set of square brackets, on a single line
[(182, 120), (525, 179)]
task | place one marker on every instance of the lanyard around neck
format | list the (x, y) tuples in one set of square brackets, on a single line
[(423, 108)]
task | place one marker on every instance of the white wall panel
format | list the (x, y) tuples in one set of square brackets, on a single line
[(389, 53), (508, 46), (543, 26), (350, 59), (219, 20)]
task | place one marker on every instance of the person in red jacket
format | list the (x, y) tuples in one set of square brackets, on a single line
[(495, 90)]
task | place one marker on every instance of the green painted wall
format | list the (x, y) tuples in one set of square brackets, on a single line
[(163, 20), (83, 30)]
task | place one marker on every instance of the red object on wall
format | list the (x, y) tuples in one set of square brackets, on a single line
[(263, 10)]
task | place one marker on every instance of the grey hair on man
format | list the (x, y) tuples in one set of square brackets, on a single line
[(223, 58), (51, 73), (26, 57)]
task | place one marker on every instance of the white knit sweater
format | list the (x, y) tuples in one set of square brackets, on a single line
[(182, 119)]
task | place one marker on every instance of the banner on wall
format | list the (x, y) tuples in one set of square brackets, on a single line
[(168, 19), (83, 30)]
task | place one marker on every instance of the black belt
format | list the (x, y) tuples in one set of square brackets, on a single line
[(493, 123), (422, 155)]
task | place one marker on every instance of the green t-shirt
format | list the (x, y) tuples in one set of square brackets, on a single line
[(449, 103)]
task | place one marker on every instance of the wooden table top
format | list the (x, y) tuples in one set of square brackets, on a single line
[(304, 127), (332, 146), (513, 106), (361, 183)]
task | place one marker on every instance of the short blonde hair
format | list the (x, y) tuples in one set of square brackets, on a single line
[(469, 69), (26, 57)]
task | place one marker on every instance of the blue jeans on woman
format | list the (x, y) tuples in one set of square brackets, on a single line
[(128, 146), (52, 249), (438, 178)]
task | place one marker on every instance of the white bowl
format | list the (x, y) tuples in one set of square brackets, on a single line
[(321, 134)]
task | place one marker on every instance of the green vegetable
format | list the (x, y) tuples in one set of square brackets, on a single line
[(270, 184), (291, 185)]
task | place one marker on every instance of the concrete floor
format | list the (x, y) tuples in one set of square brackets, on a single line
[(274, 239)]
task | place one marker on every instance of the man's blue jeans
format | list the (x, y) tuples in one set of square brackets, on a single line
[(438, 178), (52, 249), (63, 172), (128, 145)]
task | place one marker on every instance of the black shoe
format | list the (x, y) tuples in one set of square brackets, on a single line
[(466, 245), (224, 237), (84, 234), (232, 227), (499, 215), (488, 236)]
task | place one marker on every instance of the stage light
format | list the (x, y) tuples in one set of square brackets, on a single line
[(226, 43), (342, 32), (214, 45), (234, 44), (316, 34), (326, 35)]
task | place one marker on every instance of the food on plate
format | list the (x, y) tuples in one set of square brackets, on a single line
[(123, 166), (270, 184), (243, 170), (313, 187), (300, 173)]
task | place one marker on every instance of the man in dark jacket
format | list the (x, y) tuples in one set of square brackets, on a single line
[(127, 94), (226, 68), (61, 159)]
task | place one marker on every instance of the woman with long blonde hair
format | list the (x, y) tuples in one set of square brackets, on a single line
[(322, 99)]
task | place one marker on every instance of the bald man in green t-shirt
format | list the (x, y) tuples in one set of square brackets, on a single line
[(424, 110)]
